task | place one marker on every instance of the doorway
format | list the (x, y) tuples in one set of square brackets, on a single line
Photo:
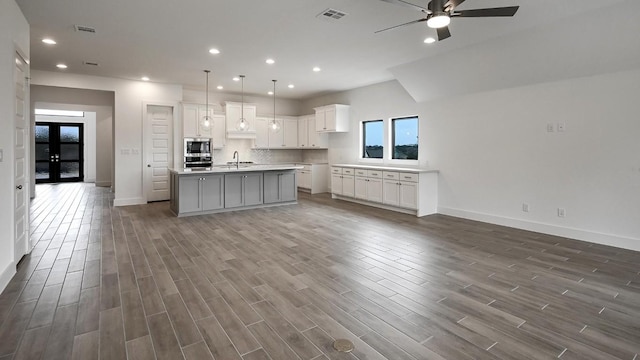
[(158, 151), (59, 152)]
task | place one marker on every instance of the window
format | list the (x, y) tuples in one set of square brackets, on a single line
[(372, 139), (404, 138)]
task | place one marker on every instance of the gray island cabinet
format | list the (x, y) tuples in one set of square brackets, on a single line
[(229, 189)]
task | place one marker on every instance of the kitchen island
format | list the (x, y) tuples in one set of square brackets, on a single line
[(230, 188)]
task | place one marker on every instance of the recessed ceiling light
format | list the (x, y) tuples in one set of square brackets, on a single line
[(429, 40), (49, 41), (316, 69), (214, 51), (270, 93), (270, 61), (144, 78), (291, 86), (220, 87), (236, 79), (61, 66)]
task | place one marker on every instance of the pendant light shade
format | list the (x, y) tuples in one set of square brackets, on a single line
[(274, 126), (243, 124), (205, 121)]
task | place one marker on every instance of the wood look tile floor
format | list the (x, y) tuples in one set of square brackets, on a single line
[(284, 282)]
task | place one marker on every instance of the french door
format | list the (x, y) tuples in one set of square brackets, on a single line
[(59, 155)]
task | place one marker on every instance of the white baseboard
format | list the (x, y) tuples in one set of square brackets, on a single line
[(6, 275), (578, 234), (129, 201), (103, 183)]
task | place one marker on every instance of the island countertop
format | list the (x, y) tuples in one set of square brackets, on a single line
[(224, 168)]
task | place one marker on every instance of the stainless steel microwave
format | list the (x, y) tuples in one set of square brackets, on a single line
[(197, 147)]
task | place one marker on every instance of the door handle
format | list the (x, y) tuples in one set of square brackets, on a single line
[(19, 187), (148, 165)]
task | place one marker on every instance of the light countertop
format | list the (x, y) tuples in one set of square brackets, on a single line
[(221, 169), (385, 168)]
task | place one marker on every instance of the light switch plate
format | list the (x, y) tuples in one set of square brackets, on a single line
[(1, 155)]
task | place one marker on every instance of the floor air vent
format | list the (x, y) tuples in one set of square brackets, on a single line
[(331, 15), (90, 63)]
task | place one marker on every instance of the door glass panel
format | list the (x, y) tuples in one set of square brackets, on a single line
[(42, 152), (69, 134), (42, 170), (42, 133), (69, 170), (69, 151)]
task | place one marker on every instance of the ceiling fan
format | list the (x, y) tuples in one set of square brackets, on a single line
[(440, 12)]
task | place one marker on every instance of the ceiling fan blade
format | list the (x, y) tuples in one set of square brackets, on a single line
[(409, 23), (491, 12), (443, 33), (453, 4), (408, 4)]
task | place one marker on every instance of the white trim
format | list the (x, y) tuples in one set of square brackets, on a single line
[(129, 201), (103, 183), (6, 275), (584, 235)]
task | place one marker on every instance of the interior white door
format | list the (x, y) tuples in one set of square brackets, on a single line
[(21, 206), (158, 151)]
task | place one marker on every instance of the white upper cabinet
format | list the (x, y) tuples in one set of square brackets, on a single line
[(332, 118), (192, 115), (308, 137), (234, 111), (285, 138)]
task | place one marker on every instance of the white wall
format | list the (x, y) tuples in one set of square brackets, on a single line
[(264, 104), (494, 154), (89, 138), (128, 122), (379, 101), (14, 33)]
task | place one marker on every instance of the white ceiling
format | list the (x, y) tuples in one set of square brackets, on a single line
[(169, 40)]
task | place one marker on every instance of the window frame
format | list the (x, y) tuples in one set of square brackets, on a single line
[(391, 141), (362, 145)]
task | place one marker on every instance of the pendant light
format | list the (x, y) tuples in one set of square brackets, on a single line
[(274, 126), (243, 124), (205, 122)]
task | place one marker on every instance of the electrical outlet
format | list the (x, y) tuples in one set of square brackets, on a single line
[(525, 207), (561, 127), (1, 155), (561, 212), (550, 127)]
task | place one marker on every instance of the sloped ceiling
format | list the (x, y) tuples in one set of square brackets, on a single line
[(593, 42)]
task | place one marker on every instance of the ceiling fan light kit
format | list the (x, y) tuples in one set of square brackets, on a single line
[(439, 20), (440, 12)]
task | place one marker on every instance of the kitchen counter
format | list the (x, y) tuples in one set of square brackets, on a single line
[(223, 168), (387, 168), (225, 188)]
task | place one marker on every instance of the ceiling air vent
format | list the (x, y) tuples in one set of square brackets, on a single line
[(87, 29), (331, 15), (90, 63)]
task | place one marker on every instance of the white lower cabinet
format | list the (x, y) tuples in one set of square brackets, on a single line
[(343, 182), (412, 192), (368, 186), (313, 178)]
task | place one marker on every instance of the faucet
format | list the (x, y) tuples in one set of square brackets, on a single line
[(236, 157)]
